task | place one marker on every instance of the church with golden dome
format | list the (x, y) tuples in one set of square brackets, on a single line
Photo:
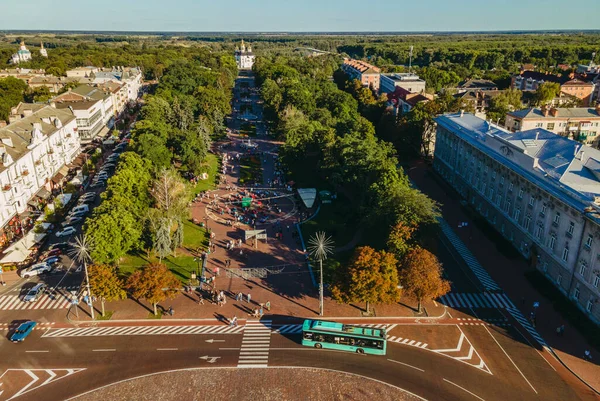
[(244, 57)]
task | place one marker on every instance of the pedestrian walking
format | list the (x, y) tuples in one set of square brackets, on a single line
[(239, 296), (261, 312), (216, 270), (587, 355), (241, 252), (249, 297), (200, 300), (171, 311), (233, 321), (239, 242), (268, 306)]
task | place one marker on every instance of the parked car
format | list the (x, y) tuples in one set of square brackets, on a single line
[(78, 213), (73, 220), (80, 208), (52, 260), (35, 270), (88, 195), (87, 201), (66, 231), (98, 184), (22, 331), (56, 251)]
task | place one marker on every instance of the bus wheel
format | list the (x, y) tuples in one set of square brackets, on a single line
[(360, 351), (318, 346)]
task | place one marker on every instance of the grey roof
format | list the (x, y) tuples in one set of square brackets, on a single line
[(477, 84), (562, 113), (91, 92), (20, 131), (552, 162), (75, 105)]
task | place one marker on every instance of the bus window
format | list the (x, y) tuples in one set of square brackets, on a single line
[(308, 336)]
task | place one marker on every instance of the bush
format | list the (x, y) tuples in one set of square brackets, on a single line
[(567, 309)]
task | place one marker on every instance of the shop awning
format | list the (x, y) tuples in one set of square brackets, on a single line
[(43, 193), (20, 250), (78, 179), (16, 256), (60, 176)]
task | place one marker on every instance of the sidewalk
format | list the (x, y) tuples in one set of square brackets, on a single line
[(509, 274)]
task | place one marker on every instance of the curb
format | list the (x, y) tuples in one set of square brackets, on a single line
[(551, 351)]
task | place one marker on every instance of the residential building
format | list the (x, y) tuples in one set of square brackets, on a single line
[(479, 99), (476, 85), (54, 84), (409, 81), (402, 101), (22, 73), (34, 149), (580, 89), (82, 72), (43, 51), (530, 80), (89, 92), (581, 123), (539, 190), (89, 113), (131, 76), (366, 73), (244, 57), (23, 55), (119, 93)]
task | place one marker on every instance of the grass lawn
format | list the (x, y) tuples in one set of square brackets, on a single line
[(194, 236), (181, 266), (250, 170), (336, 219), (212, 163), (107, 315)]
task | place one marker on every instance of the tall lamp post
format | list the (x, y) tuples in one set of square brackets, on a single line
[(81, 253), (319, 247)]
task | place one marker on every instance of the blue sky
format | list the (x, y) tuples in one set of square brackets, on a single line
[(298, 15)]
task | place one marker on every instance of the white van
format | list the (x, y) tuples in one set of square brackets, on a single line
[(80, 208)]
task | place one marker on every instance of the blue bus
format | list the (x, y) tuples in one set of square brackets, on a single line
[(344, 337)]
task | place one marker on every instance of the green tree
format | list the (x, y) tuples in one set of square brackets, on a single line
[(370, 277), (154, 283), (177, 239), (421, 276), (106, 284), (545, 92), (504, 103), (163, 242), (399, 239)]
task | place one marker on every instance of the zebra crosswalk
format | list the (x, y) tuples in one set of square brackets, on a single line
[(481, 274), (141, 331), (477, 300), (407, 341), (61, 288), (526, 325), (254, 352), (15, 302)]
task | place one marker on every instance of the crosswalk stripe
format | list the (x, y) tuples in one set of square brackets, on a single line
[(474, 301), (4, 300)]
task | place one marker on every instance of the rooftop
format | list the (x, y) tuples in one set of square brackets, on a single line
[(560, 166), (403, 77), (477, 84), (561, 113), (363, 67)]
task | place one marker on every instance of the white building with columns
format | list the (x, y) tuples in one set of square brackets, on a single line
[(539, 190), (34, 148)]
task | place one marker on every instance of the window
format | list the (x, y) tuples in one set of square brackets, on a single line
[(571, 227), (550, 126), (538, 232), (527, 222), (539, 125), (498, 199), (543, 211), (597, 280), (510, 186), (545, 267), (582, 268), (565, 254), (532, 201), (521, 193), (576, 294), (494, 175), (588, 241), (507, 206), (491, 193), (517, 214), (559, 279), (557, 218), (501, 180), (552, 241), (589, 305)]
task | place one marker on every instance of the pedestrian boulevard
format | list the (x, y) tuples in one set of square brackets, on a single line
[(254, 352), (477, 300)]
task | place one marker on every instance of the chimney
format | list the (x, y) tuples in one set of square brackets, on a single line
[(462, 113), (554, 112), (545, 110)]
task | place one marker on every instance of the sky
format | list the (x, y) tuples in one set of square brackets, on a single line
[(297, 15)]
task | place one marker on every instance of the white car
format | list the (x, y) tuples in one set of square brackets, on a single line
[(65, 232), (35, 270)]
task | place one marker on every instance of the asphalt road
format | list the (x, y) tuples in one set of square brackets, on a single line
[(109, 359)]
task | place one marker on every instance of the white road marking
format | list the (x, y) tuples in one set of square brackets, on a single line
[(406, 364), (37, 351), (464, 389), (167, 349), (104, 350)]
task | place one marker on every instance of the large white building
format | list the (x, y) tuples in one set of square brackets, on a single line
[(132, 77), (244, 57), (540, 190), (409, 81), (34, 148), (23, 55)]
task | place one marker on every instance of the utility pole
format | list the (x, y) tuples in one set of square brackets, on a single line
[(410, 58)]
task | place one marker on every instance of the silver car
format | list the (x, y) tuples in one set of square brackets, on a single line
[(34, 293)]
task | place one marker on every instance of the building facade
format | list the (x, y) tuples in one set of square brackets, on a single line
[(581, 124), (580, 90), (23, 55), (244, 57), (541, 191), (34, 147), (366, 73), (411, 82)]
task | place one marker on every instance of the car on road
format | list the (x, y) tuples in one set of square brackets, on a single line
[(34, 292), (66, 231), (35, 270), (22, 331)]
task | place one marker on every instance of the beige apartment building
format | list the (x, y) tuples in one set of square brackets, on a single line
[(367, 74), (580, 123)]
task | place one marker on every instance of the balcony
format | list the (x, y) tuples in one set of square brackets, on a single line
[(6, 188), (25, 173)]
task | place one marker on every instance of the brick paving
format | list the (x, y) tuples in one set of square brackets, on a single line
[(509, 274)]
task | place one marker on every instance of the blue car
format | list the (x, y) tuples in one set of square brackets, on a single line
[(22, 331)]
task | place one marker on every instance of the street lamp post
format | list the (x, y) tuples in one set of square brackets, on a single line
[(81, 254), (319, 247)]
